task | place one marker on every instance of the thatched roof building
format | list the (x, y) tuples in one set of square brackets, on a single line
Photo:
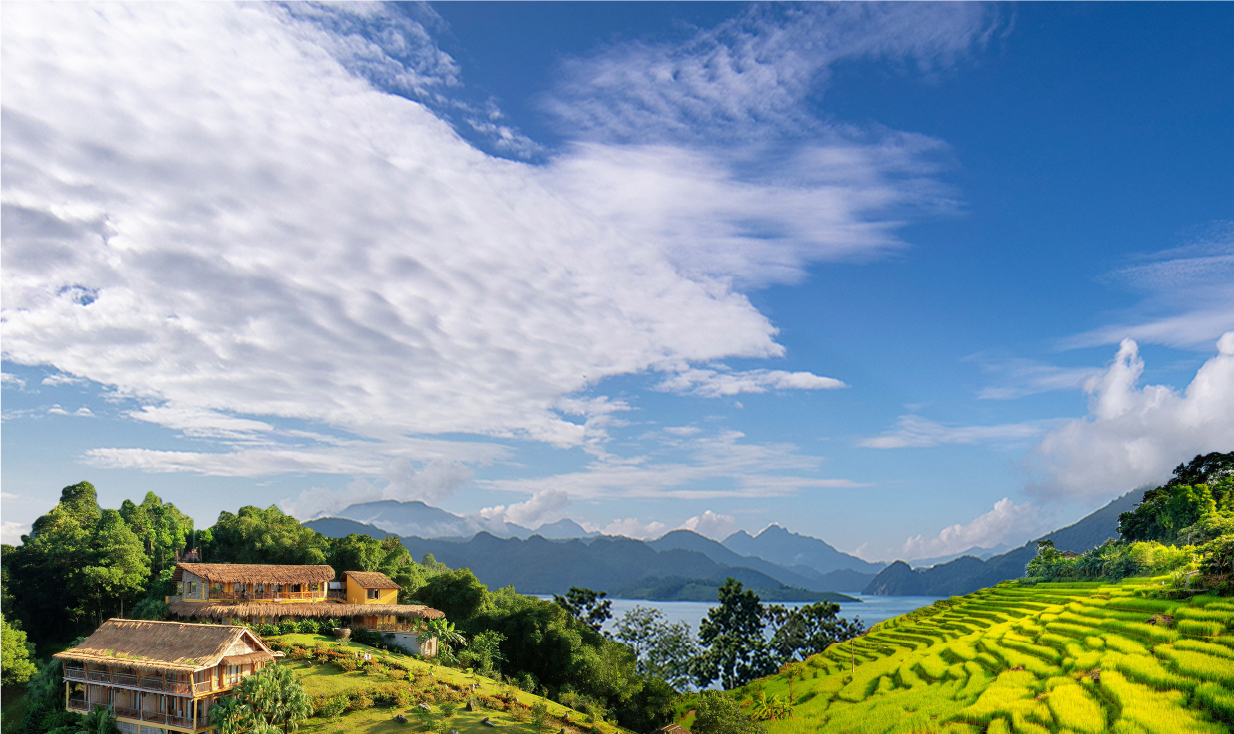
[(316, 610), (370, 580), (255, 573), (168, 646)]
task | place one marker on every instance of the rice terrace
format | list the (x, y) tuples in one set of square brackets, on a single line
[(1026, 658)]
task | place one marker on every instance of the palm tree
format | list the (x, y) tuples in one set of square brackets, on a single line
[(445, 634), (101, 720), (230, 716), (276, 698)]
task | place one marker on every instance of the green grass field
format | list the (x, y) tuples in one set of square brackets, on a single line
[(325, 679), (1053, 658)]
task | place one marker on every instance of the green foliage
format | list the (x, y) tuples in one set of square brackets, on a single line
[(1110, 561), (459, 594), (275, 697), (162, 529), (254, 535), (663, 650), (15, 664), (484, 653), (735, 651), (716, 713), (1199, 488), (808, 629), (587, 606)]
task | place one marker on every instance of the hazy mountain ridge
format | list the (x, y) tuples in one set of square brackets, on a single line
[(967, 574), (538, 565), (788, 549)]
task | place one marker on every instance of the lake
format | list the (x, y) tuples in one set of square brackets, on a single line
[(870, 609)]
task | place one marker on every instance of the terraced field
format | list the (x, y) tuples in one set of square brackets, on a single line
[(1056, 657)]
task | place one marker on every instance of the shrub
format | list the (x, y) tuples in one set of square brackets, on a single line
[(397, 673), (298, 653), (347, 663), (362, 701), (266, 630), (288, 627), (307, 627)]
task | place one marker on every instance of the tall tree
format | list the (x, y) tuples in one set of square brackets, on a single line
[(458, 593), (254, 535), (118, 570), (732, 634), (807, 630), (587, 606), (664, 650), (15, 654)]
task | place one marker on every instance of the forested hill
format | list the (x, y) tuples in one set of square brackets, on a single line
[(623, 567), (967, 574)]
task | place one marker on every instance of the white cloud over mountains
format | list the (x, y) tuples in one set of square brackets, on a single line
[(1006, 522), (1136, 435), (222, 212)]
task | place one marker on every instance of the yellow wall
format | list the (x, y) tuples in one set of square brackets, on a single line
[(357, 594)]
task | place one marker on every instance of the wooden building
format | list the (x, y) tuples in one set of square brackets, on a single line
[(255, 593), (159, 676)]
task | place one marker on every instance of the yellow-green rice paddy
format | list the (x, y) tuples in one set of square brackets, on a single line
[(1052, 658)]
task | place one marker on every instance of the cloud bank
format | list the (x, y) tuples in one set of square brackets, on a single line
[(245, 215)]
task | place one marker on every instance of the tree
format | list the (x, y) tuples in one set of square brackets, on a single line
[(254, 535), (447, 637), (101, 720), (716, 713), (15, 665), (1202, 486), (539, 715), (732, 635), (118, 568), (663, 650), (276, 698), (230, 716), (162, 528), (808, 629), (587, 606), (459, 594), (484, 653)]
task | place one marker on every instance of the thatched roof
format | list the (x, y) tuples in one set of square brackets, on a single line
[(255, 573), (170, 646), (316, 610), (370, 580)]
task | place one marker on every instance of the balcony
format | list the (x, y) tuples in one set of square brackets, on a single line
[(263, 595), (76, 704), (179, 722), (126, 712), (74, 673), (336, 594), (98, 676)]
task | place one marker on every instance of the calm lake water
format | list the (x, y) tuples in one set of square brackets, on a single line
[(870, 609)]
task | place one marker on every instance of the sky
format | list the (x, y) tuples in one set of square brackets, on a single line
[(909, 278)]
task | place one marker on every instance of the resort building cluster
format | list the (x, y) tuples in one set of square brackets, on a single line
[(163, 677)]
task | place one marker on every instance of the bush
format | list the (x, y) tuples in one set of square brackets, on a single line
[(288, 627), (299, 653), (307, 627), (397, 673), (716, 713), (347, 663), (362, 701), (334, 707)]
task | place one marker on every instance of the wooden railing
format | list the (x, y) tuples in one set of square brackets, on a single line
[(98, 676), (126, 712), (336, 594), (75, 673), (124, 679), (131, 681), (179, 721), (270, 595), (79, 704)]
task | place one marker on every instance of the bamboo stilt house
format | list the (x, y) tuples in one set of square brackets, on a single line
[(159, 676)]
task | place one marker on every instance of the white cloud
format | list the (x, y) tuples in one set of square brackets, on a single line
[(714, 466), (435, 481), (11, 532), (722, 383), (1021, 377), (1188, 295), (749, 75), (1006, 523), (243, 215), (917, 432), (57, 410), (532, 512), (630, 527), (84, 412), (55, 380), (712, 525), (1136, 435), (8, 379)]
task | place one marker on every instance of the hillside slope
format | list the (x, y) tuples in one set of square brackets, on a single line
[(1028, 659), (967, 573), (791, 549)]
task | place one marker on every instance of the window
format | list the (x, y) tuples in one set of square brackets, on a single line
[(192, 588), (233, 675), (373, 593), (261, 588), (239, 588), (216, 588)]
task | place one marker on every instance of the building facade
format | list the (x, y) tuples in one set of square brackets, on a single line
[(159, 677)]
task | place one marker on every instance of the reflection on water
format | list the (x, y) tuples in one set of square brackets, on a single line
[(869, 610)]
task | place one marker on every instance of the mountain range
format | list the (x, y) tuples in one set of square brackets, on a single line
[(679, 568), (967, 574), (681, 565)]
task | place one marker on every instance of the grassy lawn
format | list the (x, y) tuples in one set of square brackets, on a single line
[(327, 679)]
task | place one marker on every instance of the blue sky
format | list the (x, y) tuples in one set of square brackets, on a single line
[(909, 278)]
